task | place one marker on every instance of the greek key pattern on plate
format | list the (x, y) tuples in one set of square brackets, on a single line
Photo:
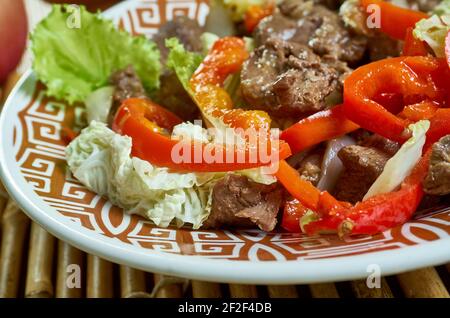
[(40, 149)]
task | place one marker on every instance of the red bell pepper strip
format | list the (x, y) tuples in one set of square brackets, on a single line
[(419, 111), (447, 48), (373, 215), (408, 76), (68, 134), (300, 189), (148, 124), (225, 58), (255, 14), (317, 128), (377, 213), (292, 213), (413, 46), (394, 20), (439, 126)]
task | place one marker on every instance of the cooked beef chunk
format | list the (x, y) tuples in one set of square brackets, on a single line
[(239, 202), (437, 181), (171, 94), (286, 78), (174, 97), (376, 141), (311, 167), (187, 31), (330, 4), (127, 84), (313, 25), (362, 166), (341, 67), (381, 46)]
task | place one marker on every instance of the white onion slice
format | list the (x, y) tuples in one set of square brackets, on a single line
[(331, 165)]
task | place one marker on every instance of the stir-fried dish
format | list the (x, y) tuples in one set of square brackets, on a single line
[(318, 116)]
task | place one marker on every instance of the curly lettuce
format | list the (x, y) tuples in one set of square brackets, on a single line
[(75, 59)]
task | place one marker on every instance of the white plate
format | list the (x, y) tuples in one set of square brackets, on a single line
[(33, 170)]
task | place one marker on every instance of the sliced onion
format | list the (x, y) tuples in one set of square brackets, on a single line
[(331, 165)]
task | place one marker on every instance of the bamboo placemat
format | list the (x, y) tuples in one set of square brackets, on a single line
[(35, 264)]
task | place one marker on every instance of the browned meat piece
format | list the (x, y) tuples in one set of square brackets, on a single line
[(171, 94), (330, 4), (239, 202), (376, 141), (127, 84), (286, 78), (313, 25), (362, 166), (437, 181), (311, 167), (381, 46), (188, 31), (174, 97)]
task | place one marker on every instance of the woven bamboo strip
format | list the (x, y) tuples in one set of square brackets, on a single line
[(99, 278), (172, 290), (288, 291), (325, 290), (422, 283), (132, 283), (9, 85), (70, 263), (243, 291), (40, 263), (361, 290), (15, 230), (205, 290)]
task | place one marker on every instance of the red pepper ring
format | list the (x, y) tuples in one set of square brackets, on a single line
[(407, 76), (413, 46), (394, 20), (378, 213), (374, 215), (321, 126), (142, 120)]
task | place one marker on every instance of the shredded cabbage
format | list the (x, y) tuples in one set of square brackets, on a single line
[(100, 159), (442, 8), (401, 164), (434, 29)]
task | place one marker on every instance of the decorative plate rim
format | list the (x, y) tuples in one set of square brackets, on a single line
[(196, 267)]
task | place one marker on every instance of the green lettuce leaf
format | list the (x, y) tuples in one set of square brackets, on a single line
[(182, 62), (75, 60), (101, 160)]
